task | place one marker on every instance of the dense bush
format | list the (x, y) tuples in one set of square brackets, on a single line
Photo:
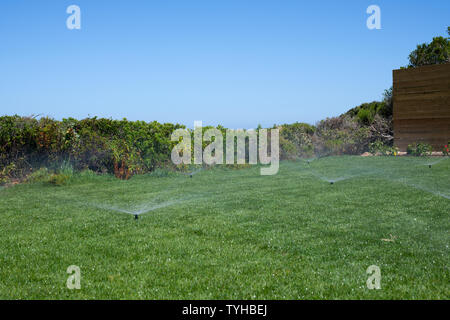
[(340, 135), (121, 147), (367, 112), (125, 148), (380, 148), (296, 140), (41, 175), (419, 149)]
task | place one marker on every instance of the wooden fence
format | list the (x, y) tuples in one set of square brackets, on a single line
[(422, 106)]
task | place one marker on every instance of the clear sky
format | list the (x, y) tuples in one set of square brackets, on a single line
[(238, 63)]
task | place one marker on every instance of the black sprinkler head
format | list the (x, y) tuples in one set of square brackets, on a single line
[(136, 217), (429, 166), (190, 176), (331, 182)]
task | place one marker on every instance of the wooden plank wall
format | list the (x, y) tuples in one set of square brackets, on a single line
[(422, 106)]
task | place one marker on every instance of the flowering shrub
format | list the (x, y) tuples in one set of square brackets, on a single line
[(445, 150)]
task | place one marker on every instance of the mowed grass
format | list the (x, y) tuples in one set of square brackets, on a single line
[(233, 234)]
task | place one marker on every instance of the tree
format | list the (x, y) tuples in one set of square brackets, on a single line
[(436, 52), (388, 99)]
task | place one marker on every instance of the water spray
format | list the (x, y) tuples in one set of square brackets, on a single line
[(419, 187), (429, 164), (190, 174), (308, 161), (138, 211)]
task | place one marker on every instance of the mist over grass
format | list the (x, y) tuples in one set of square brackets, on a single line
[(233, 234)]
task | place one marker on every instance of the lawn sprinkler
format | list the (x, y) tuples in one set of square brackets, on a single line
[(429, 166), (136, 217), (190, 174), (331, 182)]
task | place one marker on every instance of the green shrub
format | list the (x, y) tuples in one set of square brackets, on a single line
[(296, 140), (419, 149), (366, 112), (288, 150), (365, 116), (378, 147), (91, 143), (340, 135), (125, 148), (41, 175), (59, 179), (6, 172)]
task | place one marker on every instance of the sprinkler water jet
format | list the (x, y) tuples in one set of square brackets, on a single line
[(190, 174), (136, 212), (429, 164)]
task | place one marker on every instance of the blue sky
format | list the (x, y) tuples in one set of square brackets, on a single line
[(238, 63)]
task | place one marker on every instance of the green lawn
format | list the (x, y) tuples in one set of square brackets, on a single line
[(233, 234)]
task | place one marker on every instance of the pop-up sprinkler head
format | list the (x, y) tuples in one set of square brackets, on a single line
[(190, 176), (429, 166), (331, 182), (136, 217)]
